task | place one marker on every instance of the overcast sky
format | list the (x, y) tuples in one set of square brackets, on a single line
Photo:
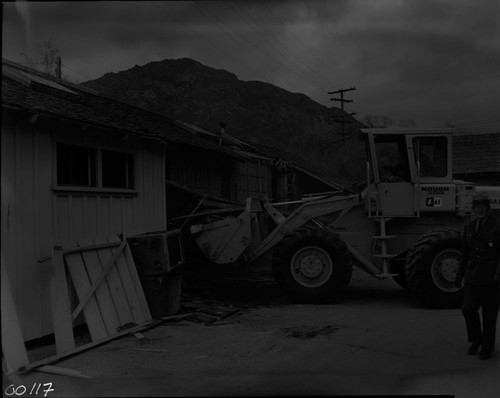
[(433, 61)]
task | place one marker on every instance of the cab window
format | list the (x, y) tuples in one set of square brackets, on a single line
[(392, 158), (431, 152)]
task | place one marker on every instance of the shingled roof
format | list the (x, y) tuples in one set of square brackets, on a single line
[(476, 153), (37, 93)]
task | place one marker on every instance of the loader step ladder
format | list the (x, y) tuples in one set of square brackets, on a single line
[(384, 255)]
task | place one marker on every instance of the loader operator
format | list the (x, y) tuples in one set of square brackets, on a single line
[(479, 268)]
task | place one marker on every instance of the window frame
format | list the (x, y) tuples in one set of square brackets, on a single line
[(99, 188), (91, 166), (129, 169)]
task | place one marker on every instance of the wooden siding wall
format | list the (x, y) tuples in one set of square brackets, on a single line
[(283, 185), (251, 178), (196, 169), (34, 215), (218, 174)]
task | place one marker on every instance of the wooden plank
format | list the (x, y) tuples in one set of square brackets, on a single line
[(89, 247), (137, 282), (115, 284), (60, 303), (176, 317), (13, 348), (102, 292), (105, 270), (151, 350), (84, 347), (82, 286), (128, 284), (56, 370)]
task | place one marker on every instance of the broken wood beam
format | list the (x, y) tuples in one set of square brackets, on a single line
[(62, 371), (81, 348), (90, 247), (175, 317)]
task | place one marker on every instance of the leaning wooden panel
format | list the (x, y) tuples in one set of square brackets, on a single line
[(61, 310), (128, 284), (102, 292), (137, 282), (115, 284), (13, 348), (82, 285)]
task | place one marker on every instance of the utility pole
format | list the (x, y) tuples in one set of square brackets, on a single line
[(342, 100)]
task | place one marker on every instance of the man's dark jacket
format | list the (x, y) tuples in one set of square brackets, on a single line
[(480, 257)]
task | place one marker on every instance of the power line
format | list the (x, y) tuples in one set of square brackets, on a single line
[(230, 30), (243, 41), (328, 67), (235, 5), (206, 39), (74, 70)]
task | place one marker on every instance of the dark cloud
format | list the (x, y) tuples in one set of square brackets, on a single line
[(433, 61), (473, 18), (423, 57)]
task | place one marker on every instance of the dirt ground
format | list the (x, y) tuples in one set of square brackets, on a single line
[(376, 340)]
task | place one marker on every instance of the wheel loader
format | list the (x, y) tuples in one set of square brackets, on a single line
[(405, 224)]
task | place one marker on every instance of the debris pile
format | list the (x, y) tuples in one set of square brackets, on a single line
[(308, 332), (210, 313)]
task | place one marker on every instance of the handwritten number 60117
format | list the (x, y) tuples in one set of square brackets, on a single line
[(22, 390)]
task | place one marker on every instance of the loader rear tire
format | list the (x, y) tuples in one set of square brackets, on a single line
[(312, 265), (431, 266)]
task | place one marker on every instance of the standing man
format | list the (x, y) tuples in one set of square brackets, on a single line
[(480, 270)]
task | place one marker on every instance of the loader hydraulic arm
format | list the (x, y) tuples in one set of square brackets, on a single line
[(224, 241), (300, 216)]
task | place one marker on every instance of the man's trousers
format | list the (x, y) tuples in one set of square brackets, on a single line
[(487, 298)]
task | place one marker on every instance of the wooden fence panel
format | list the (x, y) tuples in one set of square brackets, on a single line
[(82, 284), (102, 293), (139, 313), (114, 283)]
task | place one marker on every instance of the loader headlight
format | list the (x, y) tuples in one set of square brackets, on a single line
[(363, 195), (196, 229)]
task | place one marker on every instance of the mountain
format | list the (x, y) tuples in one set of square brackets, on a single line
[(253, 111)]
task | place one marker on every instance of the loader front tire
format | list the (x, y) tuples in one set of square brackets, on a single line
[(431, 266), (312, 265)]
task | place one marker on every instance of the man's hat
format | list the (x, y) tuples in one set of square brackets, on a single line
[(480, 198)]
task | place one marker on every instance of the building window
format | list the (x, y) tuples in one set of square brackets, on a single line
[(76, 165), (81, 166), (117, 170)]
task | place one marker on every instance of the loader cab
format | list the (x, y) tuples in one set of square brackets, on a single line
[(409, 171)]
